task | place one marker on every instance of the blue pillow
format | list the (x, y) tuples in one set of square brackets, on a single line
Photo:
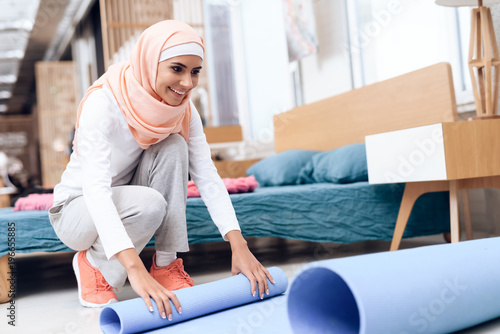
[(346, 164), (282, 168)]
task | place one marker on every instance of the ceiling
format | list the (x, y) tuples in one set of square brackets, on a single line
[(30, 31)]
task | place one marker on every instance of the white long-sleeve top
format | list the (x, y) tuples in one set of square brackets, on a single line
[(107, 155)]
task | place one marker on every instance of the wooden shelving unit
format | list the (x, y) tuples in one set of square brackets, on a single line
[(57, 96)]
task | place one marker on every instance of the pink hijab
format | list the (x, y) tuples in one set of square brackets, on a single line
[(132, 83)]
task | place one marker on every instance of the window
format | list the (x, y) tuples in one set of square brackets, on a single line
[(392, 37)]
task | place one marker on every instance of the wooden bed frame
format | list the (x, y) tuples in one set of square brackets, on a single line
[(418, 98), (422, 97)]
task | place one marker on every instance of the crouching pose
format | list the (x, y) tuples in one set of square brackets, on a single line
[(137, 137)]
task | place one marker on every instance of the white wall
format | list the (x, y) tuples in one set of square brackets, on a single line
[(266, 65)]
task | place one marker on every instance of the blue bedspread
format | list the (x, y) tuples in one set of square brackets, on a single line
[(321, 212)]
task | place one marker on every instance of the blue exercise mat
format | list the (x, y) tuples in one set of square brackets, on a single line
[(433, 289), (132, 316), (260, 317)]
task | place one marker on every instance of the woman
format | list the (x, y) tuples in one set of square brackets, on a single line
[(137, 137)]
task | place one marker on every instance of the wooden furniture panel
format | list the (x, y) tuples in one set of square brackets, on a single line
[(234, 168), (57, 96), (223, 134), (418, 98), (472, 148)]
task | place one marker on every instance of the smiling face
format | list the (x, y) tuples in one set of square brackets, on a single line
[(176, 77)]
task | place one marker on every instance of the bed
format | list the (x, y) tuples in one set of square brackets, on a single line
[(315, 209)]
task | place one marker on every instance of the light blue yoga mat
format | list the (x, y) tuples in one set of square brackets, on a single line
[(132, 316), (261, 317), (433, 289)]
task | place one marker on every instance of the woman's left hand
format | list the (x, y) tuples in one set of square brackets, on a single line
[(243, 261)]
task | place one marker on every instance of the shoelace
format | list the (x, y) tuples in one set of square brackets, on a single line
[(101, 284), (177, 268)]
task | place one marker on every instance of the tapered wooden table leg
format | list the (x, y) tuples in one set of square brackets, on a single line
[(413, 191), (454, 222), (410, 195), (467, 218)]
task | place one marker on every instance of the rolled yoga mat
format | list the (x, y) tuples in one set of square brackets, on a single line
[(132, 316), (261, 317), (432, 289)]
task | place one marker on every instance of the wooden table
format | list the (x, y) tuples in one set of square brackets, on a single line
[(451, 156)]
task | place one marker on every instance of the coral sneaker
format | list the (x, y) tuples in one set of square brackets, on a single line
[(172, 277), (93, 290)]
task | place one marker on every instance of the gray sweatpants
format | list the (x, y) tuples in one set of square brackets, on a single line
[(153, 204)]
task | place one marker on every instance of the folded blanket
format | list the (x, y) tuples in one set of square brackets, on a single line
[(233, 186), (34, 202)]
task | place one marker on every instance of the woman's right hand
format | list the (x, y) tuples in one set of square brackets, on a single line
[(146, 286)]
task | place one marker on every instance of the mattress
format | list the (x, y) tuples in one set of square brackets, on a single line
[(325, 212), (321, 212)]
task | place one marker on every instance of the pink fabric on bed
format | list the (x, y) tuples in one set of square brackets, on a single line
[(34, 202), (44, 201), (233, 186)]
